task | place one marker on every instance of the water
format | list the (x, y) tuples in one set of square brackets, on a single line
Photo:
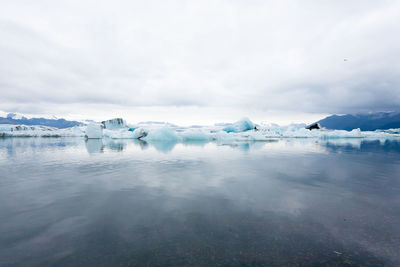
[(285, 202)]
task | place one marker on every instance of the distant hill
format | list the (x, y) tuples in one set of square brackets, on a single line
[(366, 122), (13, 118)]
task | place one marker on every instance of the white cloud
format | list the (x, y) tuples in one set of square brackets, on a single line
[(267, 56)]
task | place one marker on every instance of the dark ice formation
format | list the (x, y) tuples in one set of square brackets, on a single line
[(314, 126), (114, 123)]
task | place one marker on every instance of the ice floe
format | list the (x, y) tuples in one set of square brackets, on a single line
[(243, 130), (10, 130), (117, 123), (240, 126), (94, 131)]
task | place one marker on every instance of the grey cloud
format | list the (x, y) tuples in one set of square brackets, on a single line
[(326, 57)]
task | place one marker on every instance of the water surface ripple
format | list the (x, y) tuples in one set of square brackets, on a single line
[(67, 201)]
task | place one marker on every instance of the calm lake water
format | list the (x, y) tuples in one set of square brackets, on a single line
[(64, 201)]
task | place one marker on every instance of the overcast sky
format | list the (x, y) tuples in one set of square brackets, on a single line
[(199, 61)]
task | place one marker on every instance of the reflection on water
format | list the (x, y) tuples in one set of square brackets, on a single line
[(67, 201), (94, 146)]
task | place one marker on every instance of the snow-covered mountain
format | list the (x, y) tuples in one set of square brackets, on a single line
[(17, 118)]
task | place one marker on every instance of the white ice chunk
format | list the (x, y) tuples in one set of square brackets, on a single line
[(240, 126), (113, 124), (118, 134), (195, 135), (391, 131), (125, 133), (94, 131), (223, 138), (242, 130), (10, 130), (140, 133), (162, 134)]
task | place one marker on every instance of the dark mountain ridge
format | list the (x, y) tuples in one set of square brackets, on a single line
[(366, 122)]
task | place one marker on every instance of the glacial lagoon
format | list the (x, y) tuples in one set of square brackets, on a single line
[(67, 201)]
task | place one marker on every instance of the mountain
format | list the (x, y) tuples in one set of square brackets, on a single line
[(13, 118), (366, 122)]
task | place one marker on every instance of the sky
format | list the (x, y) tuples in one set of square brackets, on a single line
[(199, 62)]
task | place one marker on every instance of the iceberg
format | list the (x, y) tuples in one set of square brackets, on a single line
[(94, 131), (240, 126), (140, 133), (162, 134), (125, 133), (112, 124), (224, 138), (194, 135), (391, 131), (242, 130), (118, 134), (11, 130)]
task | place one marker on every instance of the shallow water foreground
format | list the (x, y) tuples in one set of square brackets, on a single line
[(64, 201)]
